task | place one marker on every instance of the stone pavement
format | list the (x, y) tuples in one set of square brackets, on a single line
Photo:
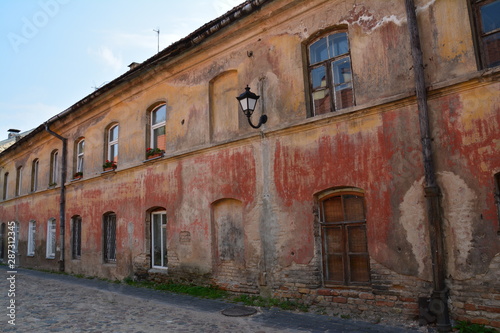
[(46, 302)]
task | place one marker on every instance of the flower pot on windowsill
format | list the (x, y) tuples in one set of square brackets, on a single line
[(77, 176), (150, 157)]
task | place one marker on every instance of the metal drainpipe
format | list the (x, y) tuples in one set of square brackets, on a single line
[(62, 201), (439, 298)]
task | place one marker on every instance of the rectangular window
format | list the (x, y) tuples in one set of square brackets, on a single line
[(159, 239), (76, 238), (110, 238), (31, 238), (487, 21), (51, 239), (344, 242)]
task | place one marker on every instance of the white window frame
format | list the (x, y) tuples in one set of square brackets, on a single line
[(31, 238), (163, 239), (112, 143), (51, 239), (157, 125), (80, 152)]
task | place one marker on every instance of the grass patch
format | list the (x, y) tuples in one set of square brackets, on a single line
[(270, 302), (186, 289), (467, 327)]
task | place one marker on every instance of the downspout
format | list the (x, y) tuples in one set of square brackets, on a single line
[(438, 305), (62, 201)]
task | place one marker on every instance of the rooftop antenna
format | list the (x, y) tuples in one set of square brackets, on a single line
[(158, 32)]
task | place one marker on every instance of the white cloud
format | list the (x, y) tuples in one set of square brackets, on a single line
[(106, 55)]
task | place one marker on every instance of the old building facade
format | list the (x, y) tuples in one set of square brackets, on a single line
[(330, 202)]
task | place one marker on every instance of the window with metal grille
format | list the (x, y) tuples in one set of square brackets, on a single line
[(330, 74), (51, 239), (109, 235), (487, 26), (76, 237), (159, 239), (344, 242), (31, 238)]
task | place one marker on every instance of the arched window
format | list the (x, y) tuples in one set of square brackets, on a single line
[(109, 237), (330, 74), (79, 154), (54, 168), (343, 238), (159, 239), (34, 175), (19, 180), (5, 189), (112, 143), (158, 121)]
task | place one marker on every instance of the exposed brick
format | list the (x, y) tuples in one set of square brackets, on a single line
[(489, 309), (325, 292), (340, 300), (303, 290), (408, 299), (385, 303), (495, 323), (410, 306), (470, 307), (480, 321), (366, 296)]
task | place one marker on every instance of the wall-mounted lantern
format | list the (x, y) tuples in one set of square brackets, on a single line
[(248, 100)]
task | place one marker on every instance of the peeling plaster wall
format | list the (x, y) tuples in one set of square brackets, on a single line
[(215, 162)]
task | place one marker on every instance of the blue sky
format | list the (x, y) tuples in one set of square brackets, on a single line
[(56, 52)]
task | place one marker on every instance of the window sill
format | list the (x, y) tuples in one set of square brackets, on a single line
[(159, 270), (112, 171)]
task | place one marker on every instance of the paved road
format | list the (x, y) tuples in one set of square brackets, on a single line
[(46, 302)]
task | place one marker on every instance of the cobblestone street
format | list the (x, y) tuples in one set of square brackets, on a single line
[(47, 302)]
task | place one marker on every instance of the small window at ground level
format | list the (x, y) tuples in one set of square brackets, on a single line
[(487, 19), (344, 241), (76, 237), (51, 239), (159, 239), (330, 74), (31, 238), (109, 235)]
